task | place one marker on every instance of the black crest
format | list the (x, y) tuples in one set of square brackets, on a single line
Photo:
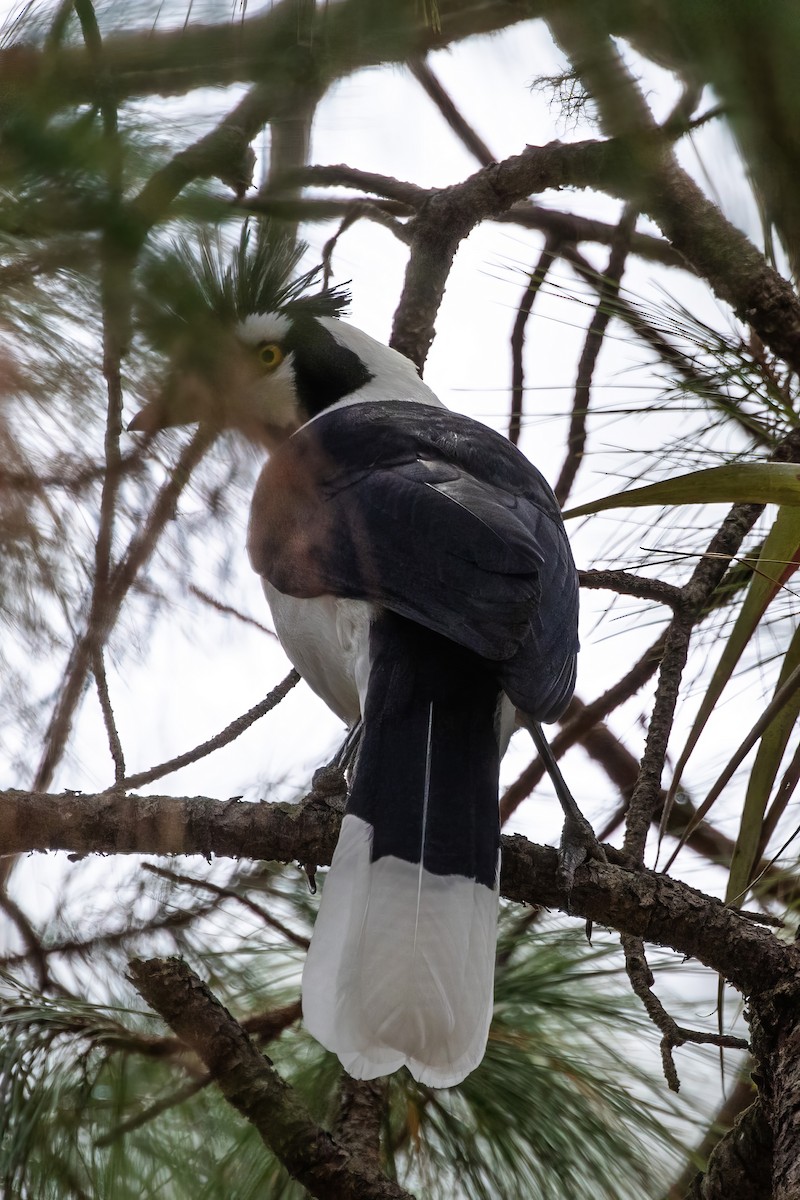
[(194, 285)]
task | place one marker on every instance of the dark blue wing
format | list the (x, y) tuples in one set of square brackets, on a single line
[(436, 517)]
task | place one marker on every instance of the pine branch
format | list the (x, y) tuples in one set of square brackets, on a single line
[(648, 905)]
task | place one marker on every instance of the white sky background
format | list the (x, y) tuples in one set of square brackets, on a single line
[(200, 670)]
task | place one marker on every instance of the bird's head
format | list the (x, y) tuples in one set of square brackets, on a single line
[(251, 349)]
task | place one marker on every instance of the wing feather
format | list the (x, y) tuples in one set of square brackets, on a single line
[(432, 515)]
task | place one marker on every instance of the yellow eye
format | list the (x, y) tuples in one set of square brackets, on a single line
[(270, 355)]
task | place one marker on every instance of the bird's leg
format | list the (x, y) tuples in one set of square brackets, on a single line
[(330, 782), (578, 841), (345, 756)]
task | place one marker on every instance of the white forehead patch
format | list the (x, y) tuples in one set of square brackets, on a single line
[(263, 327)]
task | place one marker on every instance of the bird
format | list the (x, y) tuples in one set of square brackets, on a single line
[(420, 580)]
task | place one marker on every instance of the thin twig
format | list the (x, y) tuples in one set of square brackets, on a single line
[(673, 1035), (112, 733), (115, 937), (229, 734), (73, 481), (140, 549), (576, 438), (226, 893), (152, 1111), (783, 795), (229, 611), (34, 953), (537, 278), (444, 102), (627, 584), (266, 1027), (342, 175)]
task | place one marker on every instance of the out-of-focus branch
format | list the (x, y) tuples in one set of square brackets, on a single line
[(227, 893), (422, 72), (570, 229), (347, 37), (264, 1027), (290, 123), (140, 549), (580, 30)]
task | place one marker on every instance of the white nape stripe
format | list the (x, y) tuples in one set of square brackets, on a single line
[(394, 376), (391, 980)]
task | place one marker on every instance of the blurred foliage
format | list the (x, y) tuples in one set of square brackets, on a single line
[(97, 1101)]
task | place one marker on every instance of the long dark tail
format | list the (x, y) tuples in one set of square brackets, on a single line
[(401, 965)]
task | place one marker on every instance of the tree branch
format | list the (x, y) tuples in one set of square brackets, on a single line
[(654, 907), (227, 735), (713, 246), (122, 577), (347, 37)]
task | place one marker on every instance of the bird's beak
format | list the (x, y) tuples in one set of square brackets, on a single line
[(183, 400), (151, 418)]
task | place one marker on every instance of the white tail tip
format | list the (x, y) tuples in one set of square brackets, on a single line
[(400, 970)]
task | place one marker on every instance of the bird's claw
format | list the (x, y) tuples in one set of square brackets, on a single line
[(578, 845)]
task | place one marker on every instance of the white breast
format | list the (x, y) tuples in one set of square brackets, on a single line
[(327, 640)]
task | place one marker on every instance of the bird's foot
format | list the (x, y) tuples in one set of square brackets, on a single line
[(330, 786), (578, 845)]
